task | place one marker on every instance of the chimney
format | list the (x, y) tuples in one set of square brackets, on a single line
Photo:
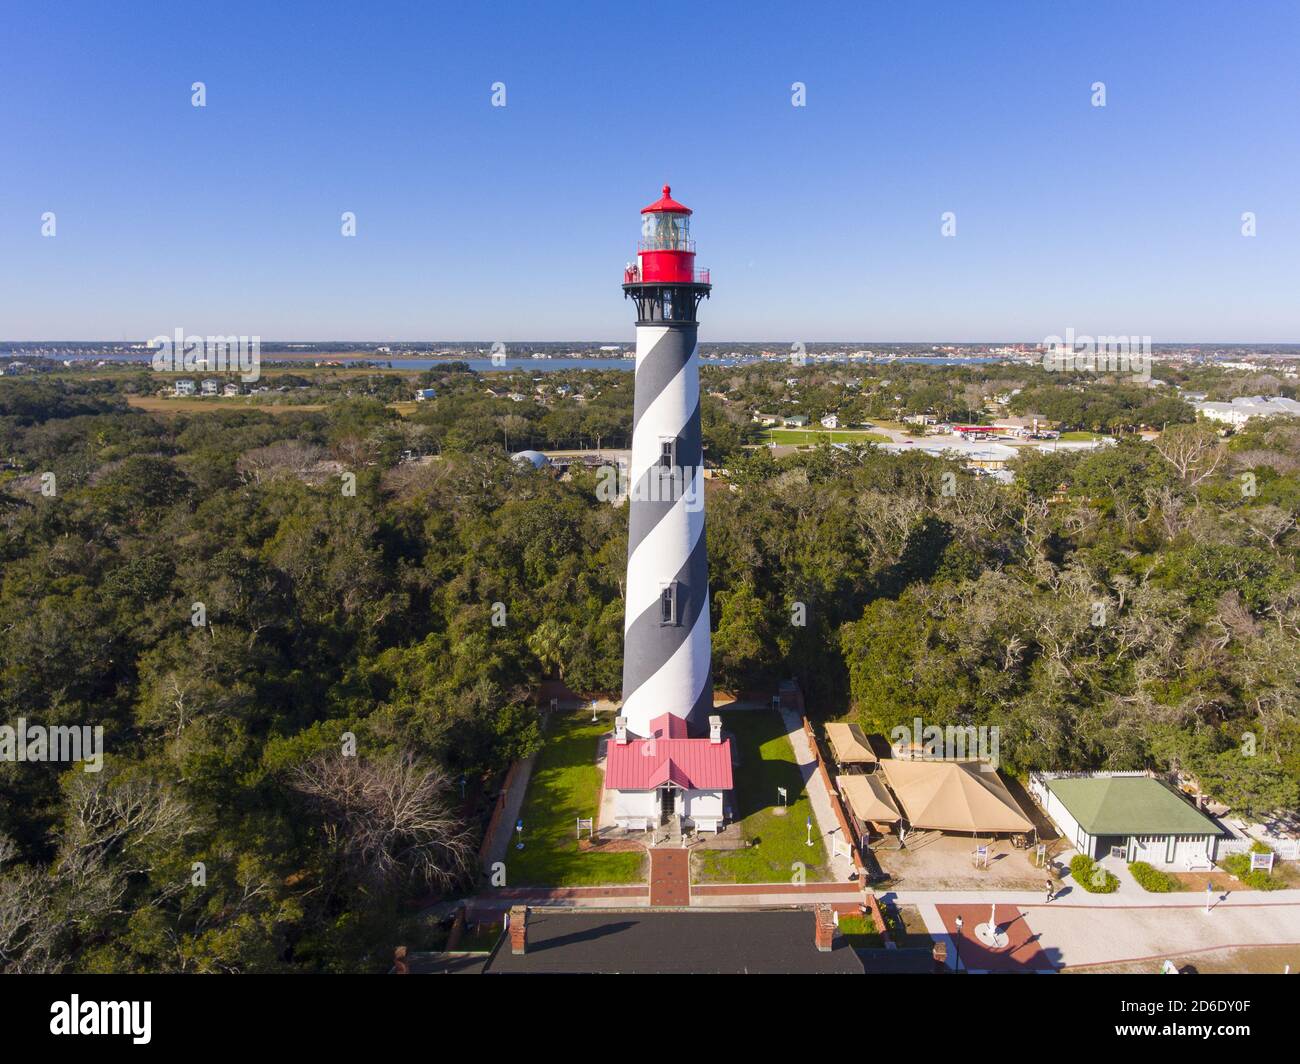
[(715, 729), (620, 731), (825, 927), (519, 930)]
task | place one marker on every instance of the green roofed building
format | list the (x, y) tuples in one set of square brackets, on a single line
[(1138, 814)]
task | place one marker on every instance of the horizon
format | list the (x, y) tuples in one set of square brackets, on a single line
[(299, 341)]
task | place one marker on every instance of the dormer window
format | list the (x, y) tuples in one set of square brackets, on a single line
[(668, 604)]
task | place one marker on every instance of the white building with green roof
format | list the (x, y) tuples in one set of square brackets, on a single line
[(1137, 814)]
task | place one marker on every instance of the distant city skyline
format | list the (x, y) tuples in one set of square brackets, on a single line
[(513, 223)]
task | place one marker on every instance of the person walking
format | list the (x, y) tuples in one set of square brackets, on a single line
[(1050, 891)]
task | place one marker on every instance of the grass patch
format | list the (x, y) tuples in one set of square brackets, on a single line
[(802, 437), (564, 786), (480, 938), (155, 404), (906, 928), (1081, 437), (766, 762)]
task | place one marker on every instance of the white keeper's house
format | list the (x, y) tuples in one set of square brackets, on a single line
[(669, 774)]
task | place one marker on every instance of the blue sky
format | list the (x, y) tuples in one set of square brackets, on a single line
[(819, 223)]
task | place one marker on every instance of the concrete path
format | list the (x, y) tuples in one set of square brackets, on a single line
[(505, 830), (1107, 935), (824, 818)]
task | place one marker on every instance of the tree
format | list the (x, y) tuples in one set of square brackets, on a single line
[(387, 819)]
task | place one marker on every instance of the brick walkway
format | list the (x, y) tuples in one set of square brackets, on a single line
[(670, 876)]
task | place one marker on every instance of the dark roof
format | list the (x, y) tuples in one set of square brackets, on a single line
[(671, 943)]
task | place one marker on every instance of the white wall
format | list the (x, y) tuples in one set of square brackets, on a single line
[(703, 804), (636, 804), (1065, 823)]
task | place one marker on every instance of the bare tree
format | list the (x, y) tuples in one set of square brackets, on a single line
[(284, 458), (27, 930), (1195, 452), (387, 818)]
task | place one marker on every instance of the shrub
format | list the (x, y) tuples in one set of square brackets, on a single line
[(1091, 876), (1237, 865), (1152, 879)]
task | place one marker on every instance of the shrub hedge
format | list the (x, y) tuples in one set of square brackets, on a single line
[(1091, 876), (1152, 879)]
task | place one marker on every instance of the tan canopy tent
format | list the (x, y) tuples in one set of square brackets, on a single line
[(954, 796), (868, 798), (849, 745)]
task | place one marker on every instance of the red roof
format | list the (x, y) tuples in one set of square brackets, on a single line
[(693, 764), (666, 203), (669, 726)]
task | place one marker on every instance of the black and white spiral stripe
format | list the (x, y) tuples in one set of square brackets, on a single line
[(666, 668)]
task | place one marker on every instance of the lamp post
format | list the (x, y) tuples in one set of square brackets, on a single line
[(1209, 895), (809, 825), (956, 942), (519, 833), (593, 711)]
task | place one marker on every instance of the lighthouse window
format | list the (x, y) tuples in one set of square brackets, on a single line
[(663, 231), (668, 604), (667, 454)]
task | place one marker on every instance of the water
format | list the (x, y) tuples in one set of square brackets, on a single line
[(550, 365)]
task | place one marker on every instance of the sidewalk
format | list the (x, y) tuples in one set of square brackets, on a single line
[(505, 826), (827, 824)]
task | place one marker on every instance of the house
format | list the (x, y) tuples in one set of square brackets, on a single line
[(919, 419), (768, 419), (1245, 407), (1128, 814), (669, 774), (516, 397), (230, 389), (1019, 427), (184, 386), (831, 421), (210, 386), (795, 421), (423, 395)]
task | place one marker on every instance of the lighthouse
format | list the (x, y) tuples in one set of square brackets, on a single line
[(666, 648)]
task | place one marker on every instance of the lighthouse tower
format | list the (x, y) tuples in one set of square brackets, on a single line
[(666, 666)]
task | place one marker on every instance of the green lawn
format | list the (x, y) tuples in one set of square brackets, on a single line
[(766, 762), (566, 785), (906, 928), (1080, 436), (810, 436)]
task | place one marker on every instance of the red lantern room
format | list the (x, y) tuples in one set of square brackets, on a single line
[(665, 259)]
